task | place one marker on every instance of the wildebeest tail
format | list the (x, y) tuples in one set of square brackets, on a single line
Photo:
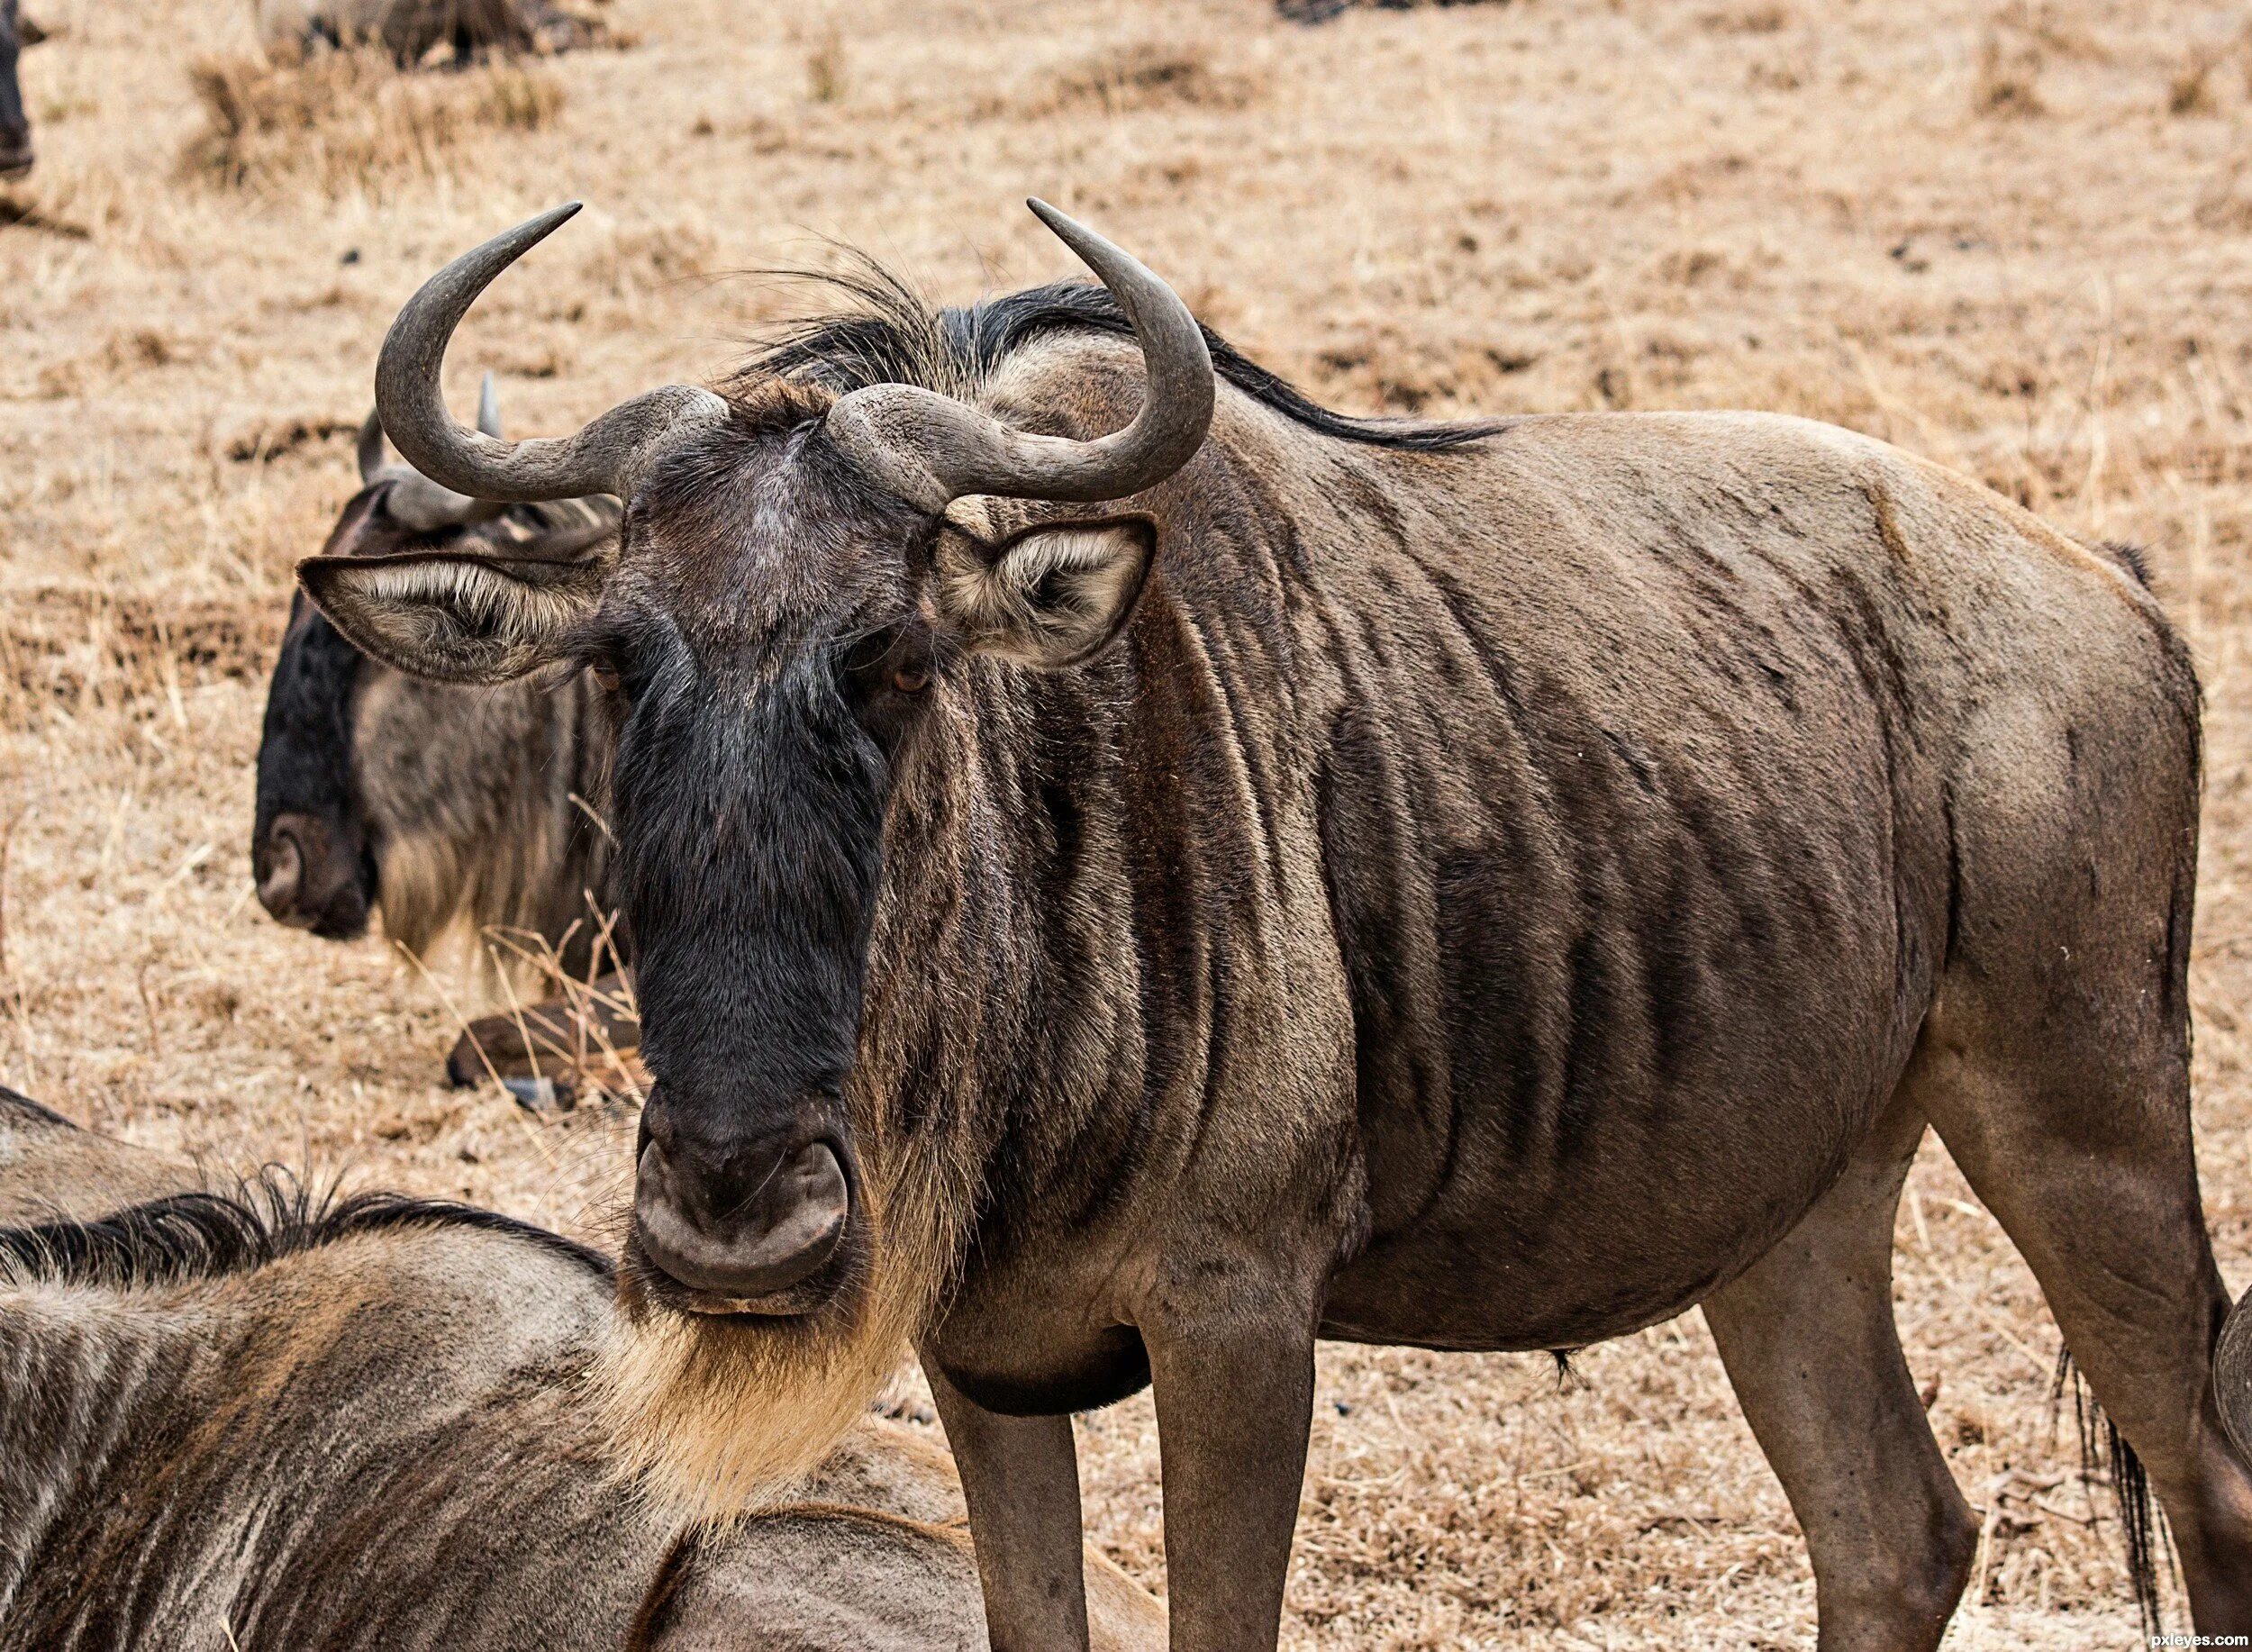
[(2105, 1454)]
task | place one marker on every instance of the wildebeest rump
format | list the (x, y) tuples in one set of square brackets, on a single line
[(255, 1420), (53, 1171), (1507, 884), (435, 804)]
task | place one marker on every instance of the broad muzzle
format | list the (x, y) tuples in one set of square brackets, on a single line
[(739, 1227)]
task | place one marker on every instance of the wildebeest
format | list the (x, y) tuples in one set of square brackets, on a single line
[(53, 1171), (253, 1419), (409, 29), (1132, 873), (17, 154), (436, 803)]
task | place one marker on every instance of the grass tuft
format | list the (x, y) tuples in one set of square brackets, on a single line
[(2007, 86), (1146, 75), (346, 121)]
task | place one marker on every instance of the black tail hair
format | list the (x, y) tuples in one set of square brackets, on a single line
[(2130, 557), (2105, 1451)]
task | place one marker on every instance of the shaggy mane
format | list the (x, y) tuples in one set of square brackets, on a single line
[(184, 1237), (890, 336)]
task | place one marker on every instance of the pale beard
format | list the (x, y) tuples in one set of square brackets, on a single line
[(716, 1416)]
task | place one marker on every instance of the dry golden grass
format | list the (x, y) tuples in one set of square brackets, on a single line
[(1808, 207), (349, 119)]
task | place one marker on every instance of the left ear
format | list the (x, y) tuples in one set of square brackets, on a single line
[(1051, 595)]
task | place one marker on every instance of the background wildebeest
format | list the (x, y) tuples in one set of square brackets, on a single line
[(255, 1420), (1511, 882), (409, 29), (435, 804), (16, 32)]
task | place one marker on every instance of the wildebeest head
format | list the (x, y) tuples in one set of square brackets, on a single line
[(373, 787), (789, 604), (15, 126)]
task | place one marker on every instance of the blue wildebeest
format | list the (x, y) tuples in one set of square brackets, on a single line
[(252, 1420), (409, 29), (436, 805), (1132, 874), (16, 32)]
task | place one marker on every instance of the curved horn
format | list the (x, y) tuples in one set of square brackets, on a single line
[(489, 406), (414, 500), (371, 447), (931, 450), (607, 457), (418, 502)]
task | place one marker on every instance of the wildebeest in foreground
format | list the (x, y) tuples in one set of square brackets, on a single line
[(1131, 873), (409, 29), (254, 1421), (435, 804)]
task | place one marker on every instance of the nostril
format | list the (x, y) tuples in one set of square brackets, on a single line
[(284, 877)]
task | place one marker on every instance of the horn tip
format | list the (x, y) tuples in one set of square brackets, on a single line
[(537, 229), (555, 216)]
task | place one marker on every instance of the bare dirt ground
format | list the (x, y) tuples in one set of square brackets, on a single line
[(2017, 239)]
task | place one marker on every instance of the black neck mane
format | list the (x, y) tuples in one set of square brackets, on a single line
[(188, 1237), (893, 336)]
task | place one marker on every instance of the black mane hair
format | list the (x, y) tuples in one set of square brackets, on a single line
[(892, 336), (187, 1236)]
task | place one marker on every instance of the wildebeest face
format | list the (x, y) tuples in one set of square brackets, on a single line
[(310, 855), (15, 126), (317, 845), (763, 628), (793, 601), (779, 632)]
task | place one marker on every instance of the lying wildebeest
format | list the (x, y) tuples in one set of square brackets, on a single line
[(17, 154), (254, 1420), (439, 805), (1119, 907), (409, 29), (52, 1171)]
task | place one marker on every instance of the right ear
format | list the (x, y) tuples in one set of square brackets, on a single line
[(459, 619)]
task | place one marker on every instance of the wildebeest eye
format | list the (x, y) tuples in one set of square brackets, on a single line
[(606, 676), (911, 679)]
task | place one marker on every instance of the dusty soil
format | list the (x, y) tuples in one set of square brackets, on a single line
[(2017, 239)]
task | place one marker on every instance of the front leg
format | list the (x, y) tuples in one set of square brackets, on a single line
[(1234, 1395), (1021, 1479)]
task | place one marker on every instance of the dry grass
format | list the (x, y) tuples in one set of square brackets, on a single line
[(1144, 74), (1492, 208), (351, 120)]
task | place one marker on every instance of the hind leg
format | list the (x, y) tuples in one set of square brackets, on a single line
[(2054, 1058), (2081, 1147), (1808, 1340)]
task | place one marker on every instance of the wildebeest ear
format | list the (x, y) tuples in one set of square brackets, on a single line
[(459, 619), (1051, 595)]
